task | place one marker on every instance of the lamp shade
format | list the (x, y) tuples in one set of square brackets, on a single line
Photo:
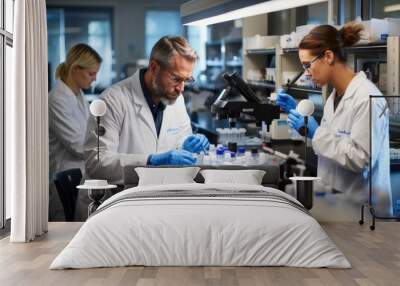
[(305, 107), (98, 107)]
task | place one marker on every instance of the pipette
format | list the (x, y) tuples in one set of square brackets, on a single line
[(293, 81)]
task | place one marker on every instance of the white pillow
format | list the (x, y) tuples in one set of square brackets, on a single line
[(166, 176), (249, 177)]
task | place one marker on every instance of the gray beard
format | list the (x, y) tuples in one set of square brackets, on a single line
[(161, 93), (167, 101)]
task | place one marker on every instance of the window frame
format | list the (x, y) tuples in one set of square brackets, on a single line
[(157, 9), (109, 9), (6, 39)]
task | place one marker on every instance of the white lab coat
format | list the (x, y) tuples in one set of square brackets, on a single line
[(343, 147), (68, 116), (131, 134)]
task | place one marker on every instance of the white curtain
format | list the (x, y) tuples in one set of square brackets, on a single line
[(27, 124)]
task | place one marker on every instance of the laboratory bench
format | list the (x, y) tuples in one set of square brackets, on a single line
[(204, 122)]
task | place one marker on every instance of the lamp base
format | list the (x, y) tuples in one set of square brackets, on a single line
[(304, 190), (100, 131)]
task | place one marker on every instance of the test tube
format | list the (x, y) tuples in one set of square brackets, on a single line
[(227, 156), (254, 156), (212, 148), (233, 157), (242, 135), (236, 132), (220, 156), (224, 136), (228, 136), (241, 159)]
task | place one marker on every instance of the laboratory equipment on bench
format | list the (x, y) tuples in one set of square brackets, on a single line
[(293, 169), (238, 136), (234, 155), (262, 111), (279, 128), (293, 165)]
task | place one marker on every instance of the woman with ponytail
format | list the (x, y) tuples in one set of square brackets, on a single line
[(68, 115), (342, 140)]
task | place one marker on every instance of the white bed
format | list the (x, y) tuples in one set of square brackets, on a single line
[(203, 225)]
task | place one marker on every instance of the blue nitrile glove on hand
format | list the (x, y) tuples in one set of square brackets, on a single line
[(175, 157), (296, 121), (285, 101), (196, 143)]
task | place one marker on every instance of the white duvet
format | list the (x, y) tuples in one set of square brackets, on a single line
[(208, 230)]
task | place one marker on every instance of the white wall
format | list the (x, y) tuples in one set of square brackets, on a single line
[(129, 27)]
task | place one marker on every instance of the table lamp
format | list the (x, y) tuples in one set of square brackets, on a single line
[(306, 109), (304, 185), (98, 108)]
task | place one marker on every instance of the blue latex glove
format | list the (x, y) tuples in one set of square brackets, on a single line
[(196, 143), (285, 101), (175, 157), (296, 121)]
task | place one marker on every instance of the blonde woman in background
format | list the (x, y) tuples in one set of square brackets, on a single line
[(68, 116)]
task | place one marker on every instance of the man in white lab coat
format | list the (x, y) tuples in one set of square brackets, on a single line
[(146, 122)]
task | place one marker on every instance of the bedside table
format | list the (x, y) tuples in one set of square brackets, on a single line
[(96, 194)]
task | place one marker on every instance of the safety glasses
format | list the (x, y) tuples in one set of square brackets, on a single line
[(177, 80), (307, 66)]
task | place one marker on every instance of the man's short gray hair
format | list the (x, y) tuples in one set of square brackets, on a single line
[(170, 46)]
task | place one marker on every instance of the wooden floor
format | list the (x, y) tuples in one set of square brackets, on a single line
[(374, 255)]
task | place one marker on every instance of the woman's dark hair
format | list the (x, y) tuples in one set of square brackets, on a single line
[(327, 37)]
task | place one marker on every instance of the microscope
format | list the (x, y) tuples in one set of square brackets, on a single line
[(262, 111), (265, 111)]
